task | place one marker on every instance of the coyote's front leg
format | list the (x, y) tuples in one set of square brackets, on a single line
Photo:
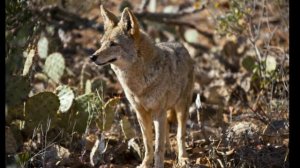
[(181, 114), (145, 121), (160, 120)]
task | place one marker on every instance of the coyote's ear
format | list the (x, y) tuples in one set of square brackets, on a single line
[(129, 23), (110, 20)]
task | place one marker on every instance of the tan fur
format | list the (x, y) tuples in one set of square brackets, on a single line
[(156, 78)]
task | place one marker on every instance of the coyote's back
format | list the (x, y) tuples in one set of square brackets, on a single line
[(179, 71), (157, 80)]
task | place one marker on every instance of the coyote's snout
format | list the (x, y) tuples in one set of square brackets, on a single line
[(157, 80)]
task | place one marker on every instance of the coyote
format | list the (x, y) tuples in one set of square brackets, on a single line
[(157, 79)]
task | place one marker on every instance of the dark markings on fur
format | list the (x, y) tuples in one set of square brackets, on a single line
[(128, 26)]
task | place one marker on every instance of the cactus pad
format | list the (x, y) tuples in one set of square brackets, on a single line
[(55, 66), (66, 97), (17, 90), (109, 112), (126, 128), (42, 47), (98, 84), (39, 108), (249, 63), (88, 87), (191, 36), (87, 107), (28, 62), (270, 64)]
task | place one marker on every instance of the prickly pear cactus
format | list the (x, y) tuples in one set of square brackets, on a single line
[(17, 90), (249, 63), (90, 107), (83, 101), (88, 87), (28, 62), (98, 84), (42, 47), (270, 64), (14, 112), (39, 108), (66, 97), (55, 66), (87, 106), (126, 128), (191, 36), (109, 112)]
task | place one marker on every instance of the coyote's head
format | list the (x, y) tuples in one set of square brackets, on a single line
[(119, 40)]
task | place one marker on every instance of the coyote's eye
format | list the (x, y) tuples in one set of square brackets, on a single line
[(112, 43)]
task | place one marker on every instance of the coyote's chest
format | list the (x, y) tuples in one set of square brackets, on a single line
[(146, 90)]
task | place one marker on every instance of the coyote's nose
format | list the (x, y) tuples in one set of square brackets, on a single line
[(93, 57)]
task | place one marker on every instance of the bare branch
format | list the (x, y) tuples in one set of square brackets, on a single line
[(144, 4), (190, 25), (157, 17), (67, 20)]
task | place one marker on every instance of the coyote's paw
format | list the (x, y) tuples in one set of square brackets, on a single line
[(143, 166), (183, 163), (147, 162)]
